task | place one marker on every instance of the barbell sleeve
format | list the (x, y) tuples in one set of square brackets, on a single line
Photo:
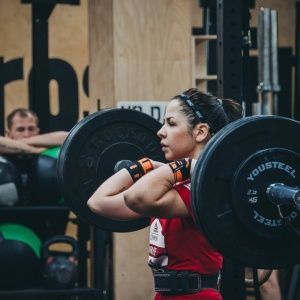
[(278, 194), (122, 164)]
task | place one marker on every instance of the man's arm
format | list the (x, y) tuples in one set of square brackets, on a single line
[(9, 146), (51, 139)]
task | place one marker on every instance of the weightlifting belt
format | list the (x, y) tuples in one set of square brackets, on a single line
[(183, 282)]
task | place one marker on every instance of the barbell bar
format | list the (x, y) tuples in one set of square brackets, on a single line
[(244, 187)]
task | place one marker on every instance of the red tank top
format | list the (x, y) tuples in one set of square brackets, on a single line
[(177, 244)]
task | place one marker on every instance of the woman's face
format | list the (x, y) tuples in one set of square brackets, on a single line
[(176, 139)]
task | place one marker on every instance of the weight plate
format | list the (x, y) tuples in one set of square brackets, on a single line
[(250, 183), (89, 155), (215, 200)]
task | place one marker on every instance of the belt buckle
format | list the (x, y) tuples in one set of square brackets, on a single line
[(160, 270)]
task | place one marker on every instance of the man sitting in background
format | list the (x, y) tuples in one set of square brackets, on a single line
[(22, 134), (22, 144)]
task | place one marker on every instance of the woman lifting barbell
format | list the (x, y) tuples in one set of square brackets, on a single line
[(183, 262)]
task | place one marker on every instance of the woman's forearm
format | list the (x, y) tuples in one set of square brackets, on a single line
[(153, 195), (147, 191), (108, 199)]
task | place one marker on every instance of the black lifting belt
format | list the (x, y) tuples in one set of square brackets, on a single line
[(183, 282)]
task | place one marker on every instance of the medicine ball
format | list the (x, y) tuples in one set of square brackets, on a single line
[(42, 178), (10, 182), (20, 257)]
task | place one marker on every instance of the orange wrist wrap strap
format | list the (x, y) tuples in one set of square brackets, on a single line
[(181, 169), (140, 168)]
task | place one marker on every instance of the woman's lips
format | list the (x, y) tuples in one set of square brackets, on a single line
[(164, 146)]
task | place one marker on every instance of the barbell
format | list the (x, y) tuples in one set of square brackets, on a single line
[(244, 188)]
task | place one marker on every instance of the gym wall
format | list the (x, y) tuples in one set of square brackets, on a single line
[(136, 50), (68, 41), (74, 39)]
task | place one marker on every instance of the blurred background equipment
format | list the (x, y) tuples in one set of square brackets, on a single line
[(42, 178), (20, 253), (10, 183), (61, 270)]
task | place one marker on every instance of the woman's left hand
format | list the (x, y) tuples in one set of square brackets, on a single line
[(156, 164)]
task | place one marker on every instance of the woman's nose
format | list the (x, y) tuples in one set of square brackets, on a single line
[(160, 132)]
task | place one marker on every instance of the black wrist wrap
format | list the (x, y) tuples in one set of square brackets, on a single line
[(139, 168), (181, 169)]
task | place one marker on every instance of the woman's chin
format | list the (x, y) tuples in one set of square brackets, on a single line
[(170, 157)]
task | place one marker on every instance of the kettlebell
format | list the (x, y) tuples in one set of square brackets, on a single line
[(61, 271)]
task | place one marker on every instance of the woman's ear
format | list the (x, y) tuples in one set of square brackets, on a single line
[(202, 132)]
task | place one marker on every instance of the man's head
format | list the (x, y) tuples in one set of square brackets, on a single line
[(22, 123)]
